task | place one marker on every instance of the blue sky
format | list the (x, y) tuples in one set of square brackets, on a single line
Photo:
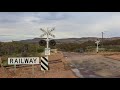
[(26, 25)]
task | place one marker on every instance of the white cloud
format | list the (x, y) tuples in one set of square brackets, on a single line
[(71, 24)]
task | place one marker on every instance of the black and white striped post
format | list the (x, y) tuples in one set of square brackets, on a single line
[(44, 60), (44, 64)]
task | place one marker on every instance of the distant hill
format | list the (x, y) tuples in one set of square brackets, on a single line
[(69, 40)]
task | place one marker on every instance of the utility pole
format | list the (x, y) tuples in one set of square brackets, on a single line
[(102, 39)]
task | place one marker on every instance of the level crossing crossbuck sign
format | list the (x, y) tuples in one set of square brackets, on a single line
[(44, 60), (97, 42)]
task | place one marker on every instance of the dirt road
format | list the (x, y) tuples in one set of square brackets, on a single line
[(93, 66)]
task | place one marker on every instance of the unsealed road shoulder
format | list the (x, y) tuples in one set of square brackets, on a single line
[(94, 66)]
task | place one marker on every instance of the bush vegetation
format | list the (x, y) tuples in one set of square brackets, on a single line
[(30, 49)]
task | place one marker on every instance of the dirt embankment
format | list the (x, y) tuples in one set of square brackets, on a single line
[(112, 55)]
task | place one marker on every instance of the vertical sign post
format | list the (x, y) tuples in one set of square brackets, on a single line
[(15, 68), (33, 69), (47, 49), (0, 62)]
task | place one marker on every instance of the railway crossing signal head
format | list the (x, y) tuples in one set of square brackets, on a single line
[(52, 43), (42, 43)]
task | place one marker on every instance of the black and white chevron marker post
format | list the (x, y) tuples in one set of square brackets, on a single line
[(44, 64)]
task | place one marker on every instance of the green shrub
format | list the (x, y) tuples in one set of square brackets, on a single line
[(40, 50)]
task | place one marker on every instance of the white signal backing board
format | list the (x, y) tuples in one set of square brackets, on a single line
[(47, 51)]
